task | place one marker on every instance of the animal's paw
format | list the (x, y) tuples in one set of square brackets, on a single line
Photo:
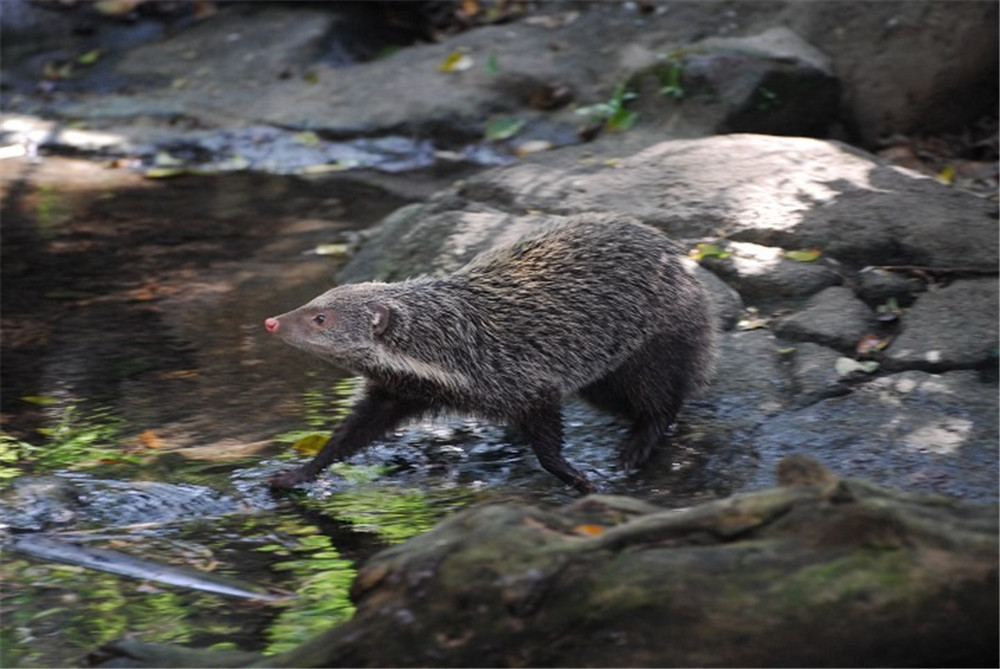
[(587, 487), (636, 453)]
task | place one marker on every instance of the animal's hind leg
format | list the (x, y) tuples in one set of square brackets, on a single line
[(647, 392)]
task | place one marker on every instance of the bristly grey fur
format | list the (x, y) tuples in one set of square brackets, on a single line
[(599, 305)]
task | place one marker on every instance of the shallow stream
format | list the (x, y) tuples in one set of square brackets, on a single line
[(144, 406)]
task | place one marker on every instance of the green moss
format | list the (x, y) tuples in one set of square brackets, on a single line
[(869, 573)]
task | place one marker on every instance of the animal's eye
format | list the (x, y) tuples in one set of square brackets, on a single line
[(319, 319)]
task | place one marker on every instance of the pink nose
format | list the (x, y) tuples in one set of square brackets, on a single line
[(272, 325)]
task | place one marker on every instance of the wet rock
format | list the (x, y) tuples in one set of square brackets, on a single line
[(878, 286), (39, 503), (727, 305), (814, 373), (749, 385), (834, 317), (762, 272), (949, 328), (113, 502), (913, 430)]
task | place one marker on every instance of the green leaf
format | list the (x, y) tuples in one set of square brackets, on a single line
[(671, 80), (622, 120), (40, 400), (708, 251), (306, 138), (90, 57), (492, 66), (503, 127), (165, 172), (807, 255)]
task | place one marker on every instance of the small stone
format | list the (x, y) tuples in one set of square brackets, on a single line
[(878, 286), (833, 317)]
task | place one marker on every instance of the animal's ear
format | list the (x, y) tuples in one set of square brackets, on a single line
[(381, 314)]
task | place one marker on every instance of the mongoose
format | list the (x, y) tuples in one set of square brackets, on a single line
[(600, 305)]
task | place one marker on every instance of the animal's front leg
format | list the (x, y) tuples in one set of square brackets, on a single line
[(376, 413)]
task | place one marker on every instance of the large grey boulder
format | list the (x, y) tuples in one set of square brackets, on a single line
[(787, 192)]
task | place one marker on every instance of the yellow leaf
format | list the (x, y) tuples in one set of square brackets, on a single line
[(807, 255), (947, 175), (870, 344), (456, 61), (311, 444)]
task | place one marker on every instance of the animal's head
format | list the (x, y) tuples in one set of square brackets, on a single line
[(342, 325)]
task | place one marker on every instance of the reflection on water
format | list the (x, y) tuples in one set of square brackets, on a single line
[(147, 296), (131, 321)]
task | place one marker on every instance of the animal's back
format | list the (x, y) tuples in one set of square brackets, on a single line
[(569, 305)]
